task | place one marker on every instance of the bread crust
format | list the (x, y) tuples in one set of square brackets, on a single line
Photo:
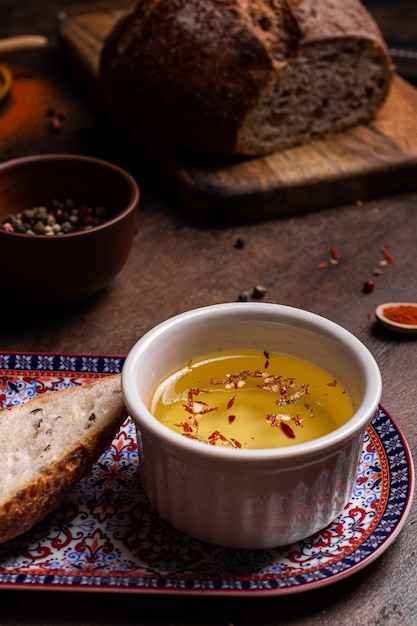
[(191, 71), (318, 20), (52, 479)]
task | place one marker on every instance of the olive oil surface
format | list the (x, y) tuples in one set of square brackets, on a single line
[(251, 400)]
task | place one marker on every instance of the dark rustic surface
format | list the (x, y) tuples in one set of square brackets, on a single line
[(176, 265)]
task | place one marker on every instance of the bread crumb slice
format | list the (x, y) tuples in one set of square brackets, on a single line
[(49, 443)]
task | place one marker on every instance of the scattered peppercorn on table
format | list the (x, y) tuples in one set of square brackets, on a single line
[(323, 261)]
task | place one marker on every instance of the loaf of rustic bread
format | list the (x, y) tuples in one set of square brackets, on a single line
[(245, 77), (48, 444)]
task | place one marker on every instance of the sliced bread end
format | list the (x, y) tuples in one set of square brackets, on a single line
[(56, 439)]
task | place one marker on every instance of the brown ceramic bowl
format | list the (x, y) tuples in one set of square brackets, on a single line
[(75, 265)]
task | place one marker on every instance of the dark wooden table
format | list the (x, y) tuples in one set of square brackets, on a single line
[(177, 264)]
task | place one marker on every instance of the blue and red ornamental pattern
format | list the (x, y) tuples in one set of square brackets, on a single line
[(105, 535)]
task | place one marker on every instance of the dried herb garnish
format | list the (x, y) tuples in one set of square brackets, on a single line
[(285, 388)]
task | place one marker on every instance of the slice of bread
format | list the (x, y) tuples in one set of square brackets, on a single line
[(49, 443)]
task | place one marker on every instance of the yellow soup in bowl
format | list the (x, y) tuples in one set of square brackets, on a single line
[(251, 400)]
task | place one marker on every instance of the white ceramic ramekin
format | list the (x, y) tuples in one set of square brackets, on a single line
[(247, 498)]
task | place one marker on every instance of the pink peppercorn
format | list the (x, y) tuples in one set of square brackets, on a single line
[(55, 217), (55, 126), (368, 286)]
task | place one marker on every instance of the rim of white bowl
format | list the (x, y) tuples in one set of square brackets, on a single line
[(344, 433)]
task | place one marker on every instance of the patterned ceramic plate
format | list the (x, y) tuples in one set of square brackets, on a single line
[(105, 537)]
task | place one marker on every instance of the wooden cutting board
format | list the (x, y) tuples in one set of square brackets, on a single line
[(365, 162)]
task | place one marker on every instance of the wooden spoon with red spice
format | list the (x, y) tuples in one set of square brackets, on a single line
[(22, 43), (6, 80), (400, 317), (9, 45)]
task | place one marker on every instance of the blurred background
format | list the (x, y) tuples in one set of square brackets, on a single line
[(398, 22), (396, 18)]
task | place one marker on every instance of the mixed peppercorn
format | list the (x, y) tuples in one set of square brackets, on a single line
[(56, 217)]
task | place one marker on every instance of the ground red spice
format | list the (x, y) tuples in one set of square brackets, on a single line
[(23, 115), (402, 314)]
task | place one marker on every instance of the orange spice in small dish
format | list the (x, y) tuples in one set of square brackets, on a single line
[(398, 316), (402, 314)]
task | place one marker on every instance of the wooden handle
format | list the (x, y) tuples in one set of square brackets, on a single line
[(5, 82), (22, 43)]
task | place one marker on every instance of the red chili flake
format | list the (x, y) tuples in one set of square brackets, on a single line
[(235, 442), (370, 315), (387, 254), (231, 418), (216, 435), (185, 426), (282, 400), (190, 395), (335, 253), (321, 266), (213, 437), (231, 402), (235, 380), (297, 419), (272, 418), (287, 430), (208, 410), (189, 407)]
